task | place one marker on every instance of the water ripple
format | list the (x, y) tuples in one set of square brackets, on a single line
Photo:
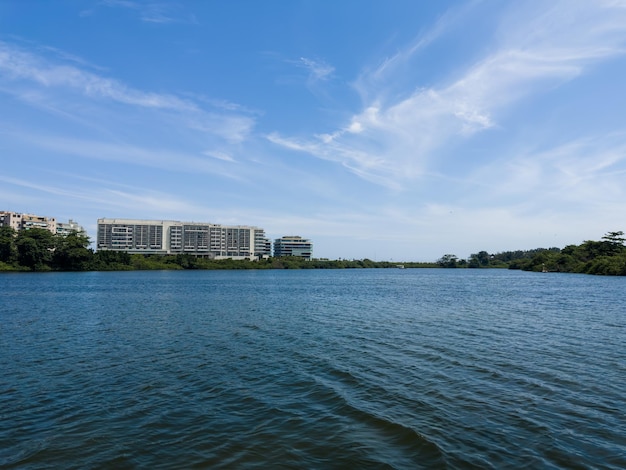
[(355, 369)]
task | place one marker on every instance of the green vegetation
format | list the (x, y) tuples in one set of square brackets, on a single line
[(607, 257), (40, 250)]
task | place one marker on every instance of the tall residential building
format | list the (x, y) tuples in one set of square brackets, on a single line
[(19, 221), (174, 237), (293, 245)]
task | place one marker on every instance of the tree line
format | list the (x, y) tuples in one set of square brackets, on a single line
[(40, 250), (606, 256)]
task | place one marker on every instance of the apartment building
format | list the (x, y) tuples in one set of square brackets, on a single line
[(65, 228), (11, 219), (20, 221), (293, 245), (262, 244), (174, 237)]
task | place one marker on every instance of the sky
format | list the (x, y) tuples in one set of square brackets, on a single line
[(383, 129)]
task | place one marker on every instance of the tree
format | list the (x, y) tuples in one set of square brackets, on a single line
[(109, 260), (8, 250), (34, 248), (447, 261), (479, 260), (616, 238), (613, 242), (71, 252)]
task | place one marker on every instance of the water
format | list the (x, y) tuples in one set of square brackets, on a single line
[(412, 368)]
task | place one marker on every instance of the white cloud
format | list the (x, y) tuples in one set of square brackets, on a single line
[(399, 140), (219, 155), (152, 12), (21, 67), (318, 70), (107, 196), (159, 158), (578, 177), (380, 81), (318, 74)]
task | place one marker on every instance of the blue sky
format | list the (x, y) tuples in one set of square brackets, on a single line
[(390, 130)]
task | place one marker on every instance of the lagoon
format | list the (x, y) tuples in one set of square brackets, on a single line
[(360, 368)]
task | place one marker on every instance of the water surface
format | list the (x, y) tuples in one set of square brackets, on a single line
[(374, 368)]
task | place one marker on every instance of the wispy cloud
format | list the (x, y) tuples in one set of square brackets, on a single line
[(21, 65), (397, 141), (572, 175), (219, 155), (171, 160), (152, 12), (381, 78), (18, 66), (110, 196), (318, 70)]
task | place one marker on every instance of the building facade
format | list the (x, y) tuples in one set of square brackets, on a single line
[(20, 221), (11, 219), (262, 244), (174, 237), (293, 245), (64, 228)]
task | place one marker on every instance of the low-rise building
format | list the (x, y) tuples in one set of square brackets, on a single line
[(20, 221), (39, 221), (64, 228), (293, 245), (11, 219)]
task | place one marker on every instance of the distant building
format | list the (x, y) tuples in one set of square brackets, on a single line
[(69, 227), (11, 219), (173, 237), (19, 221), (38, 221), (293, 245), (262, 244)]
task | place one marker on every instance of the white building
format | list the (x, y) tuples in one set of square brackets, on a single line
[(174, 237), (69, 227), (293, 245)]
